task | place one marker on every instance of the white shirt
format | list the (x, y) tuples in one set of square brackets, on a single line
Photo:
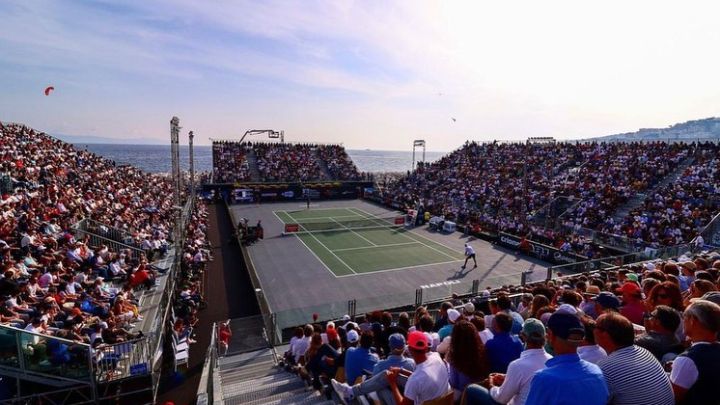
[(592, 353), (428, 381), (469, 250), (485, 335), (516, 387), (301, 347), (684, 372)]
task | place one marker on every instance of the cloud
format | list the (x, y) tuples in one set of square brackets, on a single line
[(505, 70)]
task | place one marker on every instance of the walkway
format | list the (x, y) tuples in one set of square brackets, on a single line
[(228, 293)]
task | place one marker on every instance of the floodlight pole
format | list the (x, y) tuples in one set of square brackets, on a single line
[(271, 133), (175, 151), (191, 135)]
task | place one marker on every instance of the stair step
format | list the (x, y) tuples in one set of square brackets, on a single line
[(286, 397), (258, 380), (251, 373), (249, 390)]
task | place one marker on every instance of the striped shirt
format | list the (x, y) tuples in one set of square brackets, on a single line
[(634, 376)]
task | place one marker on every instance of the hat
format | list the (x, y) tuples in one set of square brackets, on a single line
[(688, 265), (607, 300), (469, 308), (649, 266), (485, 293), (592, 289), (396, 341), (418, 340), (533, 329), (630, 288), (567, 327), (567, 309), (353, 336), (330, 325), (632, 277), (346, 317), (453, 315)]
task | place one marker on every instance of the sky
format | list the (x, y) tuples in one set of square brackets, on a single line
[(367, 74)]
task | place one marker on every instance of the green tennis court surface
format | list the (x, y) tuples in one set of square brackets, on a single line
[(350, 241)]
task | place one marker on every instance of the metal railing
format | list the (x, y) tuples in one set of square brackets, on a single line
[(205, 392), (81, 232), (711, 232)]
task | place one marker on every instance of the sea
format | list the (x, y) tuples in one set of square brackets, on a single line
[(156, 158)]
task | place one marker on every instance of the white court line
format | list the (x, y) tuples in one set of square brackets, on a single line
[(361, 237), (376, 246), (306, 246), (397, 268), (419, 241), (326, 248)]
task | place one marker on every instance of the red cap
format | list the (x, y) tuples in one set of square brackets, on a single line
[(418, 340), (630, 288)]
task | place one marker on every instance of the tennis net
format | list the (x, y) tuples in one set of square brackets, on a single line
[(323, 225)]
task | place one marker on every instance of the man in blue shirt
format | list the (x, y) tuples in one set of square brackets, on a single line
[(567, 379), (396, 358), (360, 358), (503, 347)]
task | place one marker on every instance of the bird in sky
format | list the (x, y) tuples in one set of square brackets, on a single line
[(454, 120)]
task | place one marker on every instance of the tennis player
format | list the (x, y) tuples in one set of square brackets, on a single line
[(469, 254)]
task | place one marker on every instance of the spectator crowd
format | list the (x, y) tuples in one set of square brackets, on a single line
[(646, 333), (230, 162), (281, 162), (54, 284), (506, 186)]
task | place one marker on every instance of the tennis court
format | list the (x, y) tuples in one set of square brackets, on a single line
[(350, 241)]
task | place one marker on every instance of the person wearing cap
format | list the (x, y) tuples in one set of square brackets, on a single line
[(428, 381), (397, 343), (633, 307), (606, 301), (504, 347), (358, 359), (687, 274), (633, 374), (453, 315), (566, 379), (695, 372), (659, 337), (588, 305), (514, 386)]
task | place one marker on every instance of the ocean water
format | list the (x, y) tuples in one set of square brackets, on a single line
[(156, 158)]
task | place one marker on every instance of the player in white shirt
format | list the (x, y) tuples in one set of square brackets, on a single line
[(469, 254)]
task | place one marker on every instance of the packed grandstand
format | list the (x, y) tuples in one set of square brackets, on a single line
[(86, 284), (644, 332)]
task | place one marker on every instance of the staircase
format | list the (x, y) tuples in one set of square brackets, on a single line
[(321, 163), (254, 378), (638, 199), (253, 166)]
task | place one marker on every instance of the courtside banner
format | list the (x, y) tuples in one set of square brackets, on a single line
[(543, 252)]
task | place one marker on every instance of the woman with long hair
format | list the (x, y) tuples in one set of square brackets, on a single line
[(467, 362), (537, 302), (665, 293)]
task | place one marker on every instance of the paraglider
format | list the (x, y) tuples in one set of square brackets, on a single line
[(48, 90)]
